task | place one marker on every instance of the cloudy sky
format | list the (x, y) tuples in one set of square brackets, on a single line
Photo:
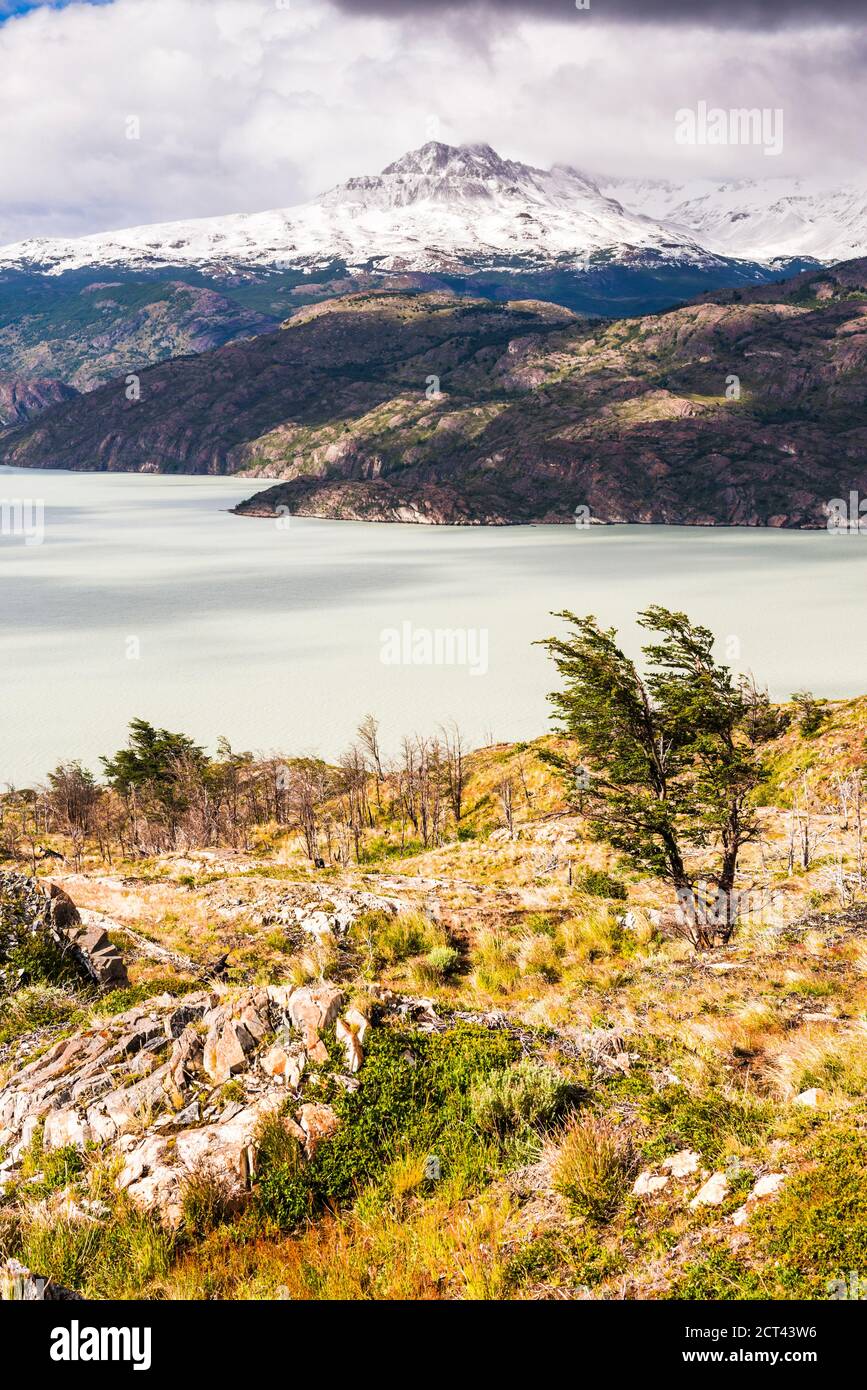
[(252, 104)]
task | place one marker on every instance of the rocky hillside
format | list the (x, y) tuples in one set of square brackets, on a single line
[(488, 1069), (86, 309), (743, 408), (86, 328), (20, 399)]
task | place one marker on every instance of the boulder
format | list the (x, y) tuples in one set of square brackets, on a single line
[(647, 1183), (234, 1031), (714, 1191), (313, 1008), (767, 1186), (682, 1164), (812, 1098), (99, 957), (284, 1065), (318, 1122), (65, 1127)]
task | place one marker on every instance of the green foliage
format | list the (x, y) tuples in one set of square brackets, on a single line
[(117, 1001), (37, 1006), (36, 958), (598, 884), (672, 764), (527, 1095), (815, 1230), (50, 1170), (722, 1275), (810, 712), (413, 1097), (437, 965), (285, 1191), (573, 1255), (704, 1123)]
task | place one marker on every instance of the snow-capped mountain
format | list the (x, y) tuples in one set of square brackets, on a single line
[(439, 208), (763, 221)]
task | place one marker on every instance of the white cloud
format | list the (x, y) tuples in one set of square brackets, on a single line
[(247, 104)]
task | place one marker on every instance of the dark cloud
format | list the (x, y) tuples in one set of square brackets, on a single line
[(712, 14)]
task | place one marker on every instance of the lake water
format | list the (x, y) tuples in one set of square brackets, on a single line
[(147, 598)]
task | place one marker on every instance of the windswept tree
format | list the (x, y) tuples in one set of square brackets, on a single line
[(670, 757)]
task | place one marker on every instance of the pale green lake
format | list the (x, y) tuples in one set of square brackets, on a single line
[(273, 635)]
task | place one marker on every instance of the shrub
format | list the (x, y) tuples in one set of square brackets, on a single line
[(595, 1163), (285, 1190), (413, 1097), (815, 1230), (705, 1123), (598, 884), (207, 1199), (437, 965), (526, 1096), (37, 1006), (36, 958)]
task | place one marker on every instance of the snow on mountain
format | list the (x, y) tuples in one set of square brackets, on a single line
[(438, 208), (761, 220), (449, 208)]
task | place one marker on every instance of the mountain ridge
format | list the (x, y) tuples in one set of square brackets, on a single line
[(439, 409), (440, 207)]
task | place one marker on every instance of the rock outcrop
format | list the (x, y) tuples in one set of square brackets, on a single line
[(150, 1085), (29, 907)]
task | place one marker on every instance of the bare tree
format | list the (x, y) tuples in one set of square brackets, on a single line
[(454, 753), (72, 798), (308, 787), (505, 794)]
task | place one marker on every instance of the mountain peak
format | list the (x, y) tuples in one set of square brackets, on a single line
[(438, 158), (438, 173)]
